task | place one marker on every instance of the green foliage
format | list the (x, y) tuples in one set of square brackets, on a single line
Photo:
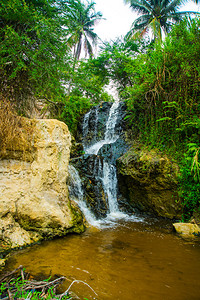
[(32, 52), (165, 88), (18, 285), (190, 180), (116, 61)]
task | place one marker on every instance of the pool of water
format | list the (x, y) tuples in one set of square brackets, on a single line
[(132, 260)]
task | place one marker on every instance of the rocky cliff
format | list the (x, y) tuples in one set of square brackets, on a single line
[(34, 201), (149, 181)]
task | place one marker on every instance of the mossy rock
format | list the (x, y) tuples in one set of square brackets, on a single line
[(149, 180)]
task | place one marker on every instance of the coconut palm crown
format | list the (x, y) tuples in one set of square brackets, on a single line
[(159, 15), (81, 21)]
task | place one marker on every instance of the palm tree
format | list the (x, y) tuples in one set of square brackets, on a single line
[(81, 20), (156, 14)]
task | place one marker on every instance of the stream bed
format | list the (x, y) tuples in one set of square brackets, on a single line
[(140, 259)]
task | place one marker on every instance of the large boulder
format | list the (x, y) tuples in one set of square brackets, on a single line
[(149, 181), (187, 230), (33, 191)]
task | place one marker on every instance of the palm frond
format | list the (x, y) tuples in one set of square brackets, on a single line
[(141, 21), (136, 34), (187, 12), (164, 3), (81, 18), (141, 6), (173, 6), (156, 27), (93, 36)]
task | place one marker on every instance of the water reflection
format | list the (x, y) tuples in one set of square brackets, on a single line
[(132, 261)]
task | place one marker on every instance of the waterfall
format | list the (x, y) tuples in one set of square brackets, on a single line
[(109, 173), (76, 194), (98, 168), (110, 186)]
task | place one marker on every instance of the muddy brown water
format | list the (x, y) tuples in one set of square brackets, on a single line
[(131, 261)]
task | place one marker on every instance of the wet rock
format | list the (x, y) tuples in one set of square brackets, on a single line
[(121, 124), (149, 181), (96, 123), (187, 230), (111, 152), (33, 193)]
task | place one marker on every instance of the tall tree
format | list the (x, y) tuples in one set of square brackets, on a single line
[(155, 14), (81, 19)]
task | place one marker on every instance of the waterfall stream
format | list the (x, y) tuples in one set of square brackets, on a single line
[(76, 194), (103, 171)]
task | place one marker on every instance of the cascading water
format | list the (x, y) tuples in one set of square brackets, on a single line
[(109, 174), (110, 135), (102, 171), (76, 194), (110, 186)]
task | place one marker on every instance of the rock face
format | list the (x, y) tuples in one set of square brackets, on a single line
[(149, 182), (33, 192)]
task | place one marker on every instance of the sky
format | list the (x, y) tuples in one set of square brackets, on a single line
[(119, 18)]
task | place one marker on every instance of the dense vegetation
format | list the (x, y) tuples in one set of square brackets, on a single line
[(40, 58)]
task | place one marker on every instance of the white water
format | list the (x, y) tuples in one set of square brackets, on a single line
[(110, 187), (109, 177), (76, 194), (109, 136)]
